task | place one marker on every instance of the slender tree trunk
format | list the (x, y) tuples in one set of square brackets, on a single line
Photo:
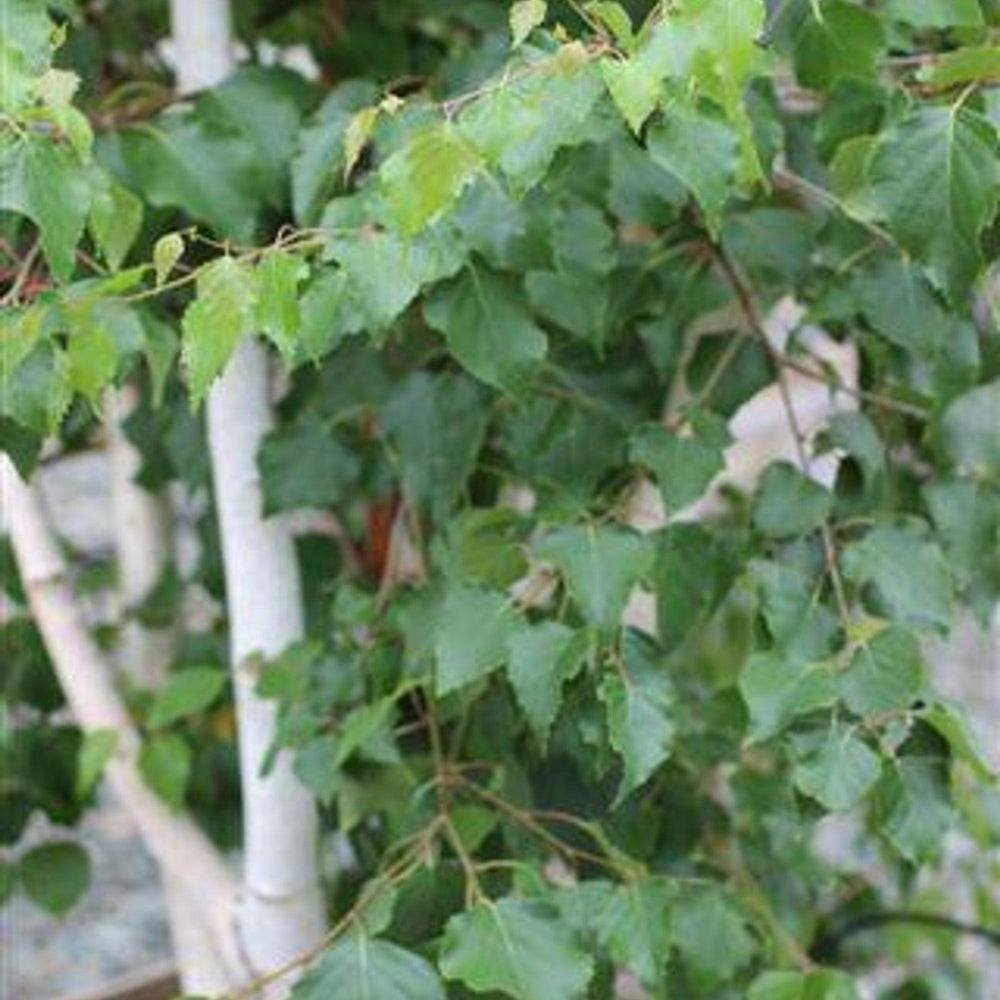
[(180, 848), (281, 913), (143, 530)]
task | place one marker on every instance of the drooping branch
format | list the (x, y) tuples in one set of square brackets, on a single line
[(176, 843)]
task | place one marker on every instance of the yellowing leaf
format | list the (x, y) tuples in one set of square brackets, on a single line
[(167, 251), (525, 16)]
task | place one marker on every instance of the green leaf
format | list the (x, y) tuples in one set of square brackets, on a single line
[(437, 425), (521, 125), (488, 329), (278, 278), (683, 466), (8, 881), (525, 16), (427, 175), (472, 633), (934, 180), (799, 624), (600, 565), (886, 674), (167, 250), (789, 503), (385, 274), (702, 151), (824, 984), (840, 771), (639, 704), (838, 40), (215, 323), (317, 767), (914, 806), (329, 313), (92, 353), (541, 658), (115, 219), (188, 691), (45, 181), (635, 926), (304, 465), (777, 688), (160, 348), (359, 968), (935, 13), (692, 573), (486, 545), (55, 875), (516, 947), (712, 936), (908, 572), (951, 720), (96, 749), (165, 764), (968, 431), (975, 64)]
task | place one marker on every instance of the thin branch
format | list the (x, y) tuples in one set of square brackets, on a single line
[(830, 943)]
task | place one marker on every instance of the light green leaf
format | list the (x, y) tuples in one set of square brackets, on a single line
[(541, 658), (215, 323), (427, 175), (385, 274), (702, 152), (96, 749), (520, 126), (165, 764), (824, 984), (908, 572), (516, 947), (92, 353), (488, 329), (525, 16), (46, 181), (328, 313), (777, 688), (115, 219), (472, 633), (789, 503), (712, 936), (359, 968), (886, 674), (840, 771), (934, 179), (167, 251), (639, 704), (188, 691), (278, 278), (55, 875), (600, 565)]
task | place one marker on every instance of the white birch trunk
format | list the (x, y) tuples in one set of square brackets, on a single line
[(281, 911), (143, 534), (180, 848)]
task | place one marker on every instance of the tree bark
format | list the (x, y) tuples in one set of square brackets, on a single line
[(281, 910)]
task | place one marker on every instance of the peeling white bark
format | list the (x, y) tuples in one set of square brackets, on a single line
[(281, 909), (176, 843)]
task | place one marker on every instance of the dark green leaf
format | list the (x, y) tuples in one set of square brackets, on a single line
[(777, 688), (488, 328), (840, 771), (789, 503), (838, 40), (55, 875), (886, 673), (712, 936), (165, 762)]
